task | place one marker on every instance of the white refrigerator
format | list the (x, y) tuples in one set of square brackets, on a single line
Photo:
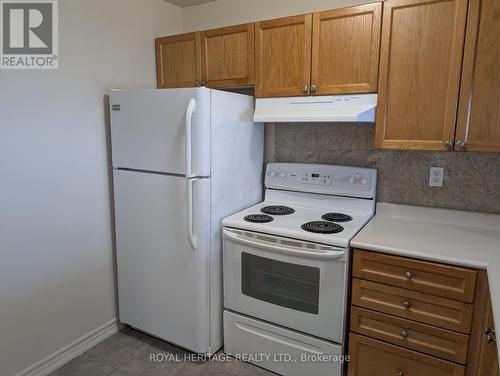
[(182, 160)]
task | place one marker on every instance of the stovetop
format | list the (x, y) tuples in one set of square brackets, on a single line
[(291, 225), (318, 203)]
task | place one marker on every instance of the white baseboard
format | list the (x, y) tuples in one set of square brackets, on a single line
[(71, 351)]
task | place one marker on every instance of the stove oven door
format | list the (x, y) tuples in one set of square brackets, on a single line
[(296, 284)]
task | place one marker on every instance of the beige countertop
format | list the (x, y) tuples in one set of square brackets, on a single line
[(449, 236)]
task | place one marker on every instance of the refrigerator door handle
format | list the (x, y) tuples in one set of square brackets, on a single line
[(191, 108), (191, 235)]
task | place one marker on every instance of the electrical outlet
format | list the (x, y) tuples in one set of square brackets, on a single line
[(436, 177)]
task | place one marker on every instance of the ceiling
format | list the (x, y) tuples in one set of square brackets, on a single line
[(188, 3)]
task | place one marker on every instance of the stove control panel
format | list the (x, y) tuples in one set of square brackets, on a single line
[(325, 179), (317, 178)]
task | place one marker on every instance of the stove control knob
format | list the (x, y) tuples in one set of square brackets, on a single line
[(362, 181), (282, 174), (273, 174), (352, 179)]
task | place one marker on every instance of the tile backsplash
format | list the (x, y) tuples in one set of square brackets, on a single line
[(471, 180)]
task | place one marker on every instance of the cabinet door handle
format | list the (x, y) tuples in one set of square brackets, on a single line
[(305, 89), (488, 330), (313, 88), (403, 333), (407, 304), (400, 373), (460, 144), (448, 144), (490, 334), (408, 275)]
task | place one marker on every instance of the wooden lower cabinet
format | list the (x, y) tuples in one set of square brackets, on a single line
[(483, 355), (404, 331), (370, 357)]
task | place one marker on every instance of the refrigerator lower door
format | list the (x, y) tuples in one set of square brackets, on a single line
[(163, 256), (164, 130)]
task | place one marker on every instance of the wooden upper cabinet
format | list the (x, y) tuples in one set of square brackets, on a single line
[(227, 56), (478, 127), (178, 61), (345, 50), (283, 56), (419, 77)]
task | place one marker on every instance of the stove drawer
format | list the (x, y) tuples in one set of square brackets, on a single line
[(410, 334), (370, 357), (436, 279), (412, 305), (280, 350)]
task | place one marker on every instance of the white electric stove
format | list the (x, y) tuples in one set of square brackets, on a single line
[(286, 263)]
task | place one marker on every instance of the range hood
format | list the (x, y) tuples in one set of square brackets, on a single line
[(327, 108)]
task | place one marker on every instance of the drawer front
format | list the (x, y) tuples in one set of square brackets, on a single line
[(370, 357), (410, 334), (436, 279), (245, 336), (429, 309)]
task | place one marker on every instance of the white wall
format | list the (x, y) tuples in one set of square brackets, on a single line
[(231, 12), (56, 259)]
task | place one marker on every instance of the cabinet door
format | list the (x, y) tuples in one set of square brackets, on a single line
[(345, 50), (283, 56), (420, 65), (227, 56), (178, 61), (479, 111), (483, 355)]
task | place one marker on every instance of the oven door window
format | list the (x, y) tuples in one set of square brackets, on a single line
[(281, 283)]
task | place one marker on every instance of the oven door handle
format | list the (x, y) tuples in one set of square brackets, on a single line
[(282, 248)]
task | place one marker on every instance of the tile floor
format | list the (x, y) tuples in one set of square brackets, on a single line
[(128, 353)]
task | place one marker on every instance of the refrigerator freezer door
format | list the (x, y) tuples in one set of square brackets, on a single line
[(149, 128), (163, 279)]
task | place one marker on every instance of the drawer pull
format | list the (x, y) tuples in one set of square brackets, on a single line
[(400, 373), (406, 305), (403, 334), (408, 276)]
